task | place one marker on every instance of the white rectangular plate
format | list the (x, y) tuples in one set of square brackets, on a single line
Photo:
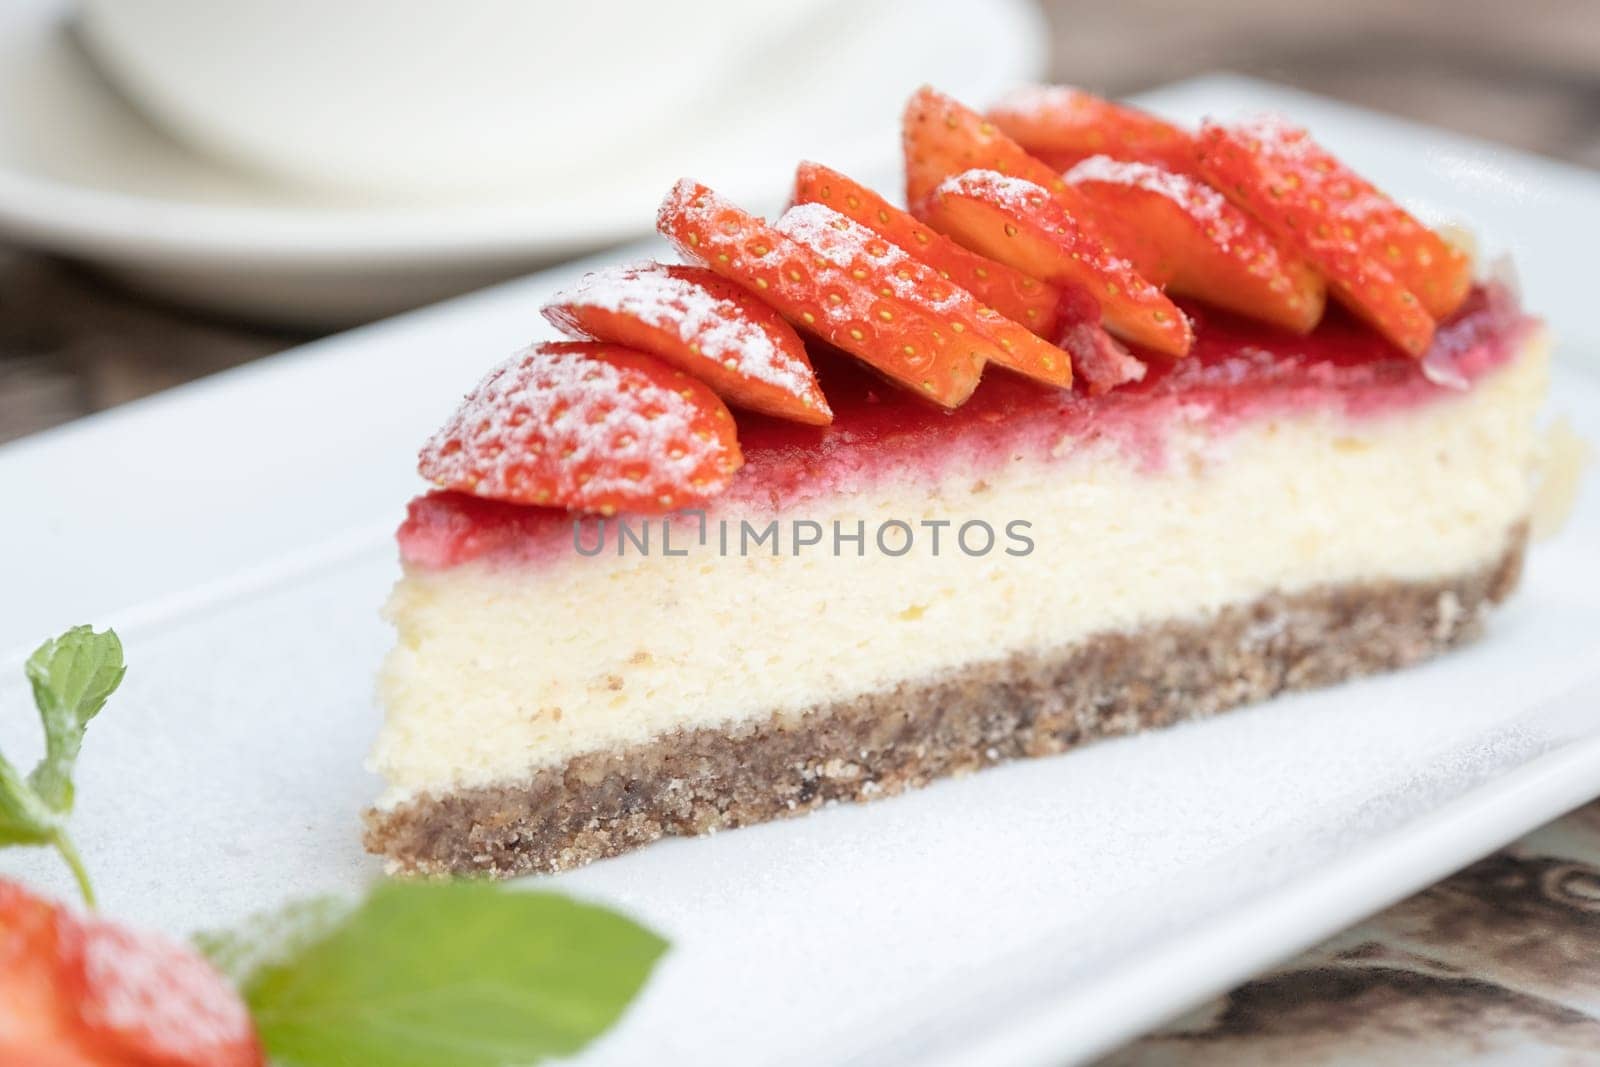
[(236, 531)]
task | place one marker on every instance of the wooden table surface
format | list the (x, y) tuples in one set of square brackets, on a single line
[(1499, 963)]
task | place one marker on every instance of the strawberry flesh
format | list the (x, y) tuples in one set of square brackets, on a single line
[(855, 290), (695, 320), (1184, 235), (1305, 177), (851, 306), (1019, 223), (1062, 125), (993, 338), (588, 427), (1015, 295), (1378, 261), (942, 137)]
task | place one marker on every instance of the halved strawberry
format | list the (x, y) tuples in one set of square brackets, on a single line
[(588, 427), (700, 323), (86, 993), (1018, 222), (1378, 260), (1009, 291), (1186, 236), (1062, 125), (855, 290)]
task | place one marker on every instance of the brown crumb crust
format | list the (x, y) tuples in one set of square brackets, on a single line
[(697, 781)]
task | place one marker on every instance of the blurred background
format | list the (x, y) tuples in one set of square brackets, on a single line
[(73, 340)]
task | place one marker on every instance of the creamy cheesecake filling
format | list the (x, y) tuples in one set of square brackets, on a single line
[(502, 669)]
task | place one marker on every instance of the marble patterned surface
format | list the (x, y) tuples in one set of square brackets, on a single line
[(1497, 964)]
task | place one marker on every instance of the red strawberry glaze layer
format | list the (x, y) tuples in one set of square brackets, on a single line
[(1238, 371)]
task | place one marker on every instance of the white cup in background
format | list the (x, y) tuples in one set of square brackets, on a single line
[(424, 98)]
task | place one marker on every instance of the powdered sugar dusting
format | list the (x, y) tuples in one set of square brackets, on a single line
[(722, 328), (842, 281), (1276, 134), (558, 423), (1021, 196), (842, 241), (1042, 101), (684, 198), (1011, 192), (142, 983), (1200, 201)]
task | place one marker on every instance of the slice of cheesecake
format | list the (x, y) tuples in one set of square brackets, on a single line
[(869, 496), (1272, 513)]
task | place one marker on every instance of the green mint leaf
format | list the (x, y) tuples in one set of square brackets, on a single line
[(72, 676), (272, 938), (25, 819), (462, 974)]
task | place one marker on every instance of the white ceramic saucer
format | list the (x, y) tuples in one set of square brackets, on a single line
[(83, 174)]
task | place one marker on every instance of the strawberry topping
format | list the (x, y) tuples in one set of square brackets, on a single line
[(700, 323), (1379, 261), (1183, 234), (588, 427), (1015, 295), (1000, 259), (1307, 178), (848, 299), (942, 138), (1239, 368), (840, 281), (1018, 222), (990, 335), (1062, 125)]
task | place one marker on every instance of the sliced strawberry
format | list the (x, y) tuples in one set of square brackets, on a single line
[(1362, 243), (942, 137), (1019, 223), (852, 247), (853, 307), (700, 323), (855, 290), (944, 140), (1299, 178), (589, 427), (1183, 234), (1009, 291), (1062, 125), (86, 993)]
